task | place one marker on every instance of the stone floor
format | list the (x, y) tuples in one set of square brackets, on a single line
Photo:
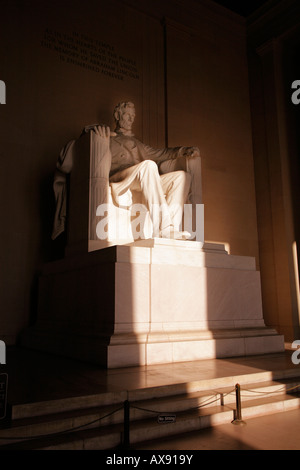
[(36, 376)]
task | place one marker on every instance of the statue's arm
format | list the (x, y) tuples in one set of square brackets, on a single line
[(170, 153)]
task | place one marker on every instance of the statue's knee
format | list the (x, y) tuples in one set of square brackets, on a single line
[(183, 176), (149, 165)]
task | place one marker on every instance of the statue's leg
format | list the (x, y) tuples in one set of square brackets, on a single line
[(144, 177), (191, 165), (176, 186)]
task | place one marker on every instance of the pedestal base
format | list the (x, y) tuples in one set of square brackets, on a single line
[(154, 301)]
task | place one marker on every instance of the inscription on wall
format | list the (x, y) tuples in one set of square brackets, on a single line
[(90, 53)]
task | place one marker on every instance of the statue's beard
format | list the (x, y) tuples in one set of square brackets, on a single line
[(124, 129)]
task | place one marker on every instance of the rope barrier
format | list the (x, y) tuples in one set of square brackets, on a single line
[(283, 389), (126, 410), (76, 428), (205, 403)]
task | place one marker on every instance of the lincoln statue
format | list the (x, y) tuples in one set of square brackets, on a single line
[(167, 178)]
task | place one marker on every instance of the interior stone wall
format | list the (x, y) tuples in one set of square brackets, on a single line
[(213, 112), (273, 51), (67, 64)]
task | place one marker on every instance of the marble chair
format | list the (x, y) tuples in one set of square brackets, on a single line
[(84, 202)]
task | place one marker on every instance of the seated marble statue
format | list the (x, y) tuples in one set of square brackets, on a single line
[(167, 178)]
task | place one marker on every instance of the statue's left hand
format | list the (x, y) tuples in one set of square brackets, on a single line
[(190, 152)]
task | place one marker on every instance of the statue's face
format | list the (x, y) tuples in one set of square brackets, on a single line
[(127, 118)]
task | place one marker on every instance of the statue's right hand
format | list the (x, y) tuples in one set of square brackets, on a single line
[(102, 131)]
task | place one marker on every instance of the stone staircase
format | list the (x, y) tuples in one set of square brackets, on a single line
[(104, 421)]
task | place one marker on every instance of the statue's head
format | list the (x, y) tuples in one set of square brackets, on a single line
[(124, 114)]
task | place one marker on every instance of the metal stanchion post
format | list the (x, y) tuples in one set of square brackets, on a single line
[(126, 438), (238, 412)]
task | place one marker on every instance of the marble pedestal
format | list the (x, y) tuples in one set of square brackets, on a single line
[(154, 301)]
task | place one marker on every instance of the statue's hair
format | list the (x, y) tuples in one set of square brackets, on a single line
[(120, 108)]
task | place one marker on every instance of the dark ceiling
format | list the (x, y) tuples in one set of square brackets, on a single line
[(242, 7)]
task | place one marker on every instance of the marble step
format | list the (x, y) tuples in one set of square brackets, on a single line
[(210, 417), (220, 395), (145, 430), (112, 415), (92, 408), (35, 409), (189, 421)]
